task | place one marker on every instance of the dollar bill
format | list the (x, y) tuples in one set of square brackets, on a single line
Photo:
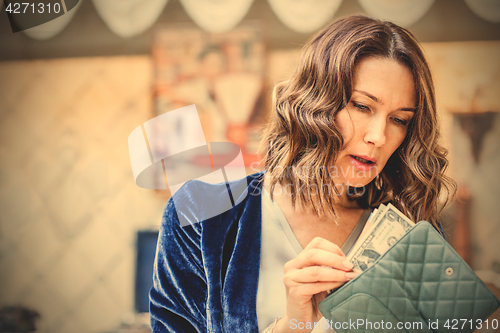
[(372, 221), (369, 223), (390, 225)]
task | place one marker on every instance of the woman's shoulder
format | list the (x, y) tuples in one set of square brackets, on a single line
[(198, 200)]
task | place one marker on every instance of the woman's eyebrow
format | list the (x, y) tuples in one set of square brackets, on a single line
[(375, 99), (408, 109)]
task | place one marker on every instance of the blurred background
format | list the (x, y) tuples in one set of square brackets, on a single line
[(77, 235)]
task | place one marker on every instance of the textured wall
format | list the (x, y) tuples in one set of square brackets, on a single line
[(69, 207)]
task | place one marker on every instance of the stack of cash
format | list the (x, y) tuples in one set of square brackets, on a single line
[(383, 229)]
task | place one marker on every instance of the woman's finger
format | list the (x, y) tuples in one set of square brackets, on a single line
[(308, 290), (319, 257), (317, 274)]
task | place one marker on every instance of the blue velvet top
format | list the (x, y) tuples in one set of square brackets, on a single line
[(206, 274)]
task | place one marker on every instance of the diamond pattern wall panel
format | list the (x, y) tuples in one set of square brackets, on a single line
[(69, 207)]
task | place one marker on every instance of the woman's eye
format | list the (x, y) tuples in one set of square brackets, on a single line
[(401, 122), (360, 107)]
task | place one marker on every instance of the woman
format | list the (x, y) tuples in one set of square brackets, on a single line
[(354, 127)]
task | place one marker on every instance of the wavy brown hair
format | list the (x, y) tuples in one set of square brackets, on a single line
[(302, 140)]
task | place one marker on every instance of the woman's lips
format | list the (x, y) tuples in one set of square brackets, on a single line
[(360, 165)]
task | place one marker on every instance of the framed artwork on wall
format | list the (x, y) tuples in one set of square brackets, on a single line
[(222, 74)]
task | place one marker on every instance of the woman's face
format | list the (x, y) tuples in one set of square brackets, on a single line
[(375, 121)]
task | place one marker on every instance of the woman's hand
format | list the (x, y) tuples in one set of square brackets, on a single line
[(321, 266)]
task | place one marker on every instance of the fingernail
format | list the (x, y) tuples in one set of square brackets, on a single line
[(347, 264), (350, 275)]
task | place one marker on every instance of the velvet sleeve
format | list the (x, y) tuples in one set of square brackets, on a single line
[(179, 293)]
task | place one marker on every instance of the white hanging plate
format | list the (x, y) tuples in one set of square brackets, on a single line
[(305, 16), (54, 27), (129, 18), (216, 15), (402, 12), (488, 10)]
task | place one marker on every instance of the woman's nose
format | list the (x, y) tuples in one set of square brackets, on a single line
[(375, 133)]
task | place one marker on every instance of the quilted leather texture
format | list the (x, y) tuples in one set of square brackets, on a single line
[(420, 278)]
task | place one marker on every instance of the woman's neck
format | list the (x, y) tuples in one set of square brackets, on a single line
[(307, 225)]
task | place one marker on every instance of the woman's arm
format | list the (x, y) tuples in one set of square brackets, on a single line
[(179, 293)]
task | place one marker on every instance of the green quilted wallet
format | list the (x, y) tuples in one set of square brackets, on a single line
[(420, 285)]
